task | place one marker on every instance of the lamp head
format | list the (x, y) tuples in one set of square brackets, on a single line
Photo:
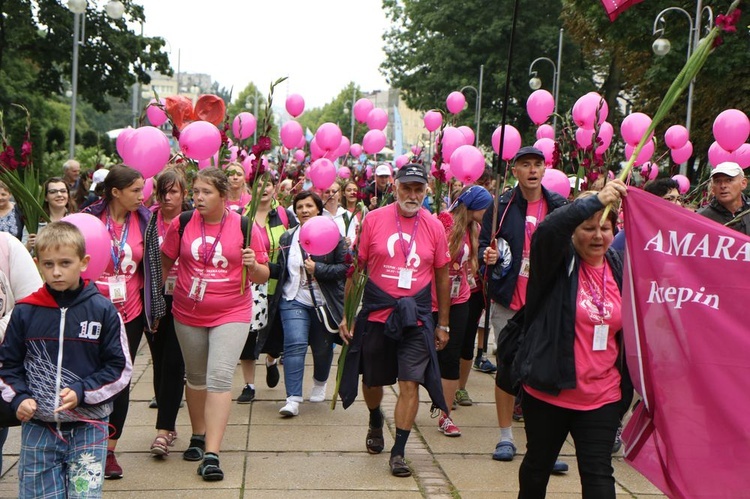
[(535, 83), (661, 46), (77, 6), (115, 9)]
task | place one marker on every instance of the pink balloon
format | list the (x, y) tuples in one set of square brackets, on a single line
[(556, 181), (368, 172), (208, 162), (344, 172), (455, 102), (416, 150), (98, 243), (547, 146), (445, 167), (377, 119), (643, 156), (234, 151), (328, 136), (299, 155), (302, 142), (467, 164), (374, 141), (584, 137), (718, 155), (585, 110), (148, 187), (633, 128), (315, 150), (650, 171), (468, 134), (343, 148), (731, 129), (121, 140), (291, 133), (355, 150), (511, 141), (244, 125), (683, 183), (451, 139), (545, 132), (156, 114), (432, 120), (200, 140), (147, 150), (295, 105), (319, 235), (322, 173), (362, 108), (682, 154), (247, 164), (741, 156), (676, 136), (402, 160), (540, 105), (606, 132)]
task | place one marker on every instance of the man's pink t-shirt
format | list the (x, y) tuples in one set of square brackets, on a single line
[(382, 250), (129, 266), (222, 302), (535, 213), (597, 377)]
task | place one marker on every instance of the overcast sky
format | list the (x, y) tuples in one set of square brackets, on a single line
[(320, 45)]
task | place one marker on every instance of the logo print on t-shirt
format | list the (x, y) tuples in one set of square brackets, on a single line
[(586, 302), (413, 259), (218, 260), (128, 266)]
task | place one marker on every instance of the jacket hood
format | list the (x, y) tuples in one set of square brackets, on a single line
[(43, 298)]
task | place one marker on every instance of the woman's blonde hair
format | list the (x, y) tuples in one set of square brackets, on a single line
[(461, 223)]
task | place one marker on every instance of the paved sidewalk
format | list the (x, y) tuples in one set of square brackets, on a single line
[(321, 453)]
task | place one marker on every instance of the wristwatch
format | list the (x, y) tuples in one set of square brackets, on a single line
[(447, 329)]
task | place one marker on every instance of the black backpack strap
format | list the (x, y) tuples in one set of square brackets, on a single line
[(185, 217)]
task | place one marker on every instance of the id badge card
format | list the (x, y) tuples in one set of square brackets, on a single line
[(197, 289), (601, 333), (169, 285), (525, 267), (404, 278), (472, 281), (117, 290), (455, 286)]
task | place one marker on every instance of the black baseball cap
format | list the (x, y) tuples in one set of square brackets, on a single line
[(528, 151), (412, 172)]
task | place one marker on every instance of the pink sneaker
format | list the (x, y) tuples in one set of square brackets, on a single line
[(447, 427)]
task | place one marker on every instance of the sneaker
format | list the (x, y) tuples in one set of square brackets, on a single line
[(517, 413), (462, 398), (210, 468), (618, 441), (153, 404), (559, 467), (112, 469), (318, 393), (247, 395), (504, 451), (447, 427), (195, 450), (290, 409), (484, 365), (375, 442), (272, 374), (399, 467)]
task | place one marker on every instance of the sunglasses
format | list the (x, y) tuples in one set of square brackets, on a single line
[(57, 191)]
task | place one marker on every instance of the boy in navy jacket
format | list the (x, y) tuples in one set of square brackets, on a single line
[(64, 357)]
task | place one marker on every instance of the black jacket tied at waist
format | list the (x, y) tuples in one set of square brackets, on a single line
[(407, 311)]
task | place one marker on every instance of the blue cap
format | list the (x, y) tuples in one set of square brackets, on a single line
[(475, 198), (528, 151)]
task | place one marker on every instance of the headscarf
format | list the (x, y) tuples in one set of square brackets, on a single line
[(475, 198)]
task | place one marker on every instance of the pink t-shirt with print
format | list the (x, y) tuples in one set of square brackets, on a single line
[(458, 277), (222, 302), (597, 377), (535, 213), (161, 230), (130, 258), (236, 205), (382, 250)]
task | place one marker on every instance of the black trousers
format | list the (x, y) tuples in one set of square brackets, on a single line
[(134, 330), (593, 433)]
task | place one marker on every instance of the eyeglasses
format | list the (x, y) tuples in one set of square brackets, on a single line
[(57, 191)]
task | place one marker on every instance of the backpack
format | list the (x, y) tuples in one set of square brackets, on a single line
[(185, 217)]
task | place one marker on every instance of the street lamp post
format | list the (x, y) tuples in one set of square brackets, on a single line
[(115, 9), (662, 46), (478, 104), (535, 83)]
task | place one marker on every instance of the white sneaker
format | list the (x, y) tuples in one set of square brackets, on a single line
[(290, 409), (318, 393)]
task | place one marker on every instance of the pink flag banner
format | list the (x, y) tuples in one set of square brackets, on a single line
[(616, 7), (687, 339)]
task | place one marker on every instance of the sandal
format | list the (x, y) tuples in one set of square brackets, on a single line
[(160, 446), (195, 450), (209, 468)]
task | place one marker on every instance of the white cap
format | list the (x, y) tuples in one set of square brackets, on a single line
[(383, 170), (728, 168), (98, 177)]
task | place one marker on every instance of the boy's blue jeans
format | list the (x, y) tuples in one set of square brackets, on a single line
[(68, 464)]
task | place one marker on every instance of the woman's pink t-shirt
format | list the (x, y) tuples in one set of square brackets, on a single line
[(597, 377), (222, 302), (130, 268)]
